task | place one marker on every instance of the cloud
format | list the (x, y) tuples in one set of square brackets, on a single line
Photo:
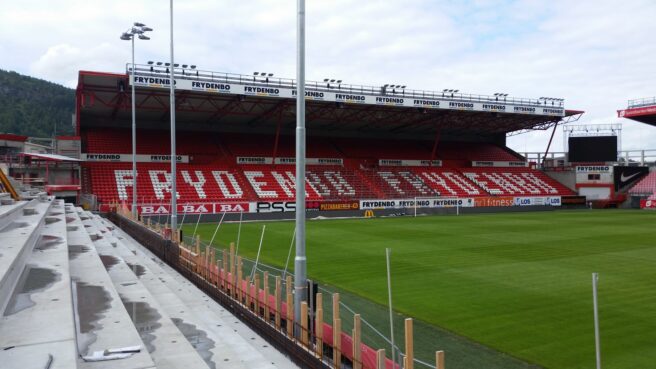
[(62, 62), (595, 54)]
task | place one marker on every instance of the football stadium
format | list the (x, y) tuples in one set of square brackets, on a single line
[(168, 231)]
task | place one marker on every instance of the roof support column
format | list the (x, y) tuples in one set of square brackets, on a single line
[(434, 152), (275, 143), (546, 152)]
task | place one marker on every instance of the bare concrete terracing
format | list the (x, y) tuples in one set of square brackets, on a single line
[(102, 320), (18, 237), (77, 292), (166, 344), (37, 321), (219, 335), (8, 210)]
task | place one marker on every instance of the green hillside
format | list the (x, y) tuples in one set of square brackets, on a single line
[(31, 106)]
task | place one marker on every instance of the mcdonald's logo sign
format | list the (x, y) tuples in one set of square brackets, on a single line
[(369, 214)]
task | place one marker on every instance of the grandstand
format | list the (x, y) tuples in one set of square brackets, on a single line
[(644, 111), (224, 179), (237, 147)]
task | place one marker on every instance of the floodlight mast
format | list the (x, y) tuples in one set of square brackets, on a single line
[(300, 264), (174, 200), (137, 29)]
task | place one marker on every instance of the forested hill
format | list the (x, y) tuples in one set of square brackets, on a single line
[(32, 107)]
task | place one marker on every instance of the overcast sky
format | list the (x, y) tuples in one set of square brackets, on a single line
[(596, 54)]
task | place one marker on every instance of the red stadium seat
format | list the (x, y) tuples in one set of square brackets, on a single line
[(212, 174), (646, 186)]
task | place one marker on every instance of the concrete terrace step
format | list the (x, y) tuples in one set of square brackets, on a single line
[(250, 349), (102, 322), (167, 345), (10, 210), (37, 324), (18, 239), (228, 346)]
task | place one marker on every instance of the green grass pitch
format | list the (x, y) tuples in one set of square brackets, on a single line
[(517, 282)]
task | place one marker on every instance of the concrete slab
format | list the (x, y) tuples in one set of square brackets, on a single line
[(102, 321), (16, 242), (38, 318), (215, 348), (37, 356), (9, 212), (167, 345), (252, 350)]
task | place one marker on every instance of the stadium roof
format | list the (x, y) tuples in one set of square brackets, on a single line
[(641, 110), (105, 97), (13, 137)]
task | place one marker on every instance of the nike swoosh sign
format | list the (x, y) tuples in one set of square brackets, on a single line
[(625, 179)]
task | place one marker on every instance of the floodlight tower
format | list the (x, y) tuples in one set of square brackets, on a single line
[(300, 263), (174, 158), (137, 30)]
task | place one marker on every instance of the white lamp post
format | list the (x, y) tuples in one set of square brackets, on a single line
[(138, 30)]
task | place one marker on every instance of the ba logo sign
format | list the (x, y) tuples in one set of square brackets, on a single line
[(154, 209), (194, 209), (229, 208)]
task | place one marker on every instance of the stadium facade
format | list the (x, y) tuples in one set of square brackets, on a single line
[(387, 145)]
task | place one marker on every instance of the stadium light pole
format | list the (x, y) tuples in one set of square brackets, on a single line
[(388, 251), (174, 200), (595, 280), (138, 29), (300, 265)]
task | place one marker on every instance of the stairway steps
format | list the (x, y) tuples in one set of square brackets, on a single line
[(251, 350), (41, 298), (102, 322), (166, 344)]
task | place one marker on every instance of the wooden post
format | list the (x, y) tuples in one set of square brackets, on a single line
[(233, 275), (224, 284), (290, 307), (248, 292), (257, 294), (217, 277), (439, 360), (335, 306), (337, 343), (380, 359), (278, 302), (409, 355), (266, 297), (239, 277), (318, 325), (357, 339), (206, 262), (304, 323), (196, 255), (337, 330), (212, 263)]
